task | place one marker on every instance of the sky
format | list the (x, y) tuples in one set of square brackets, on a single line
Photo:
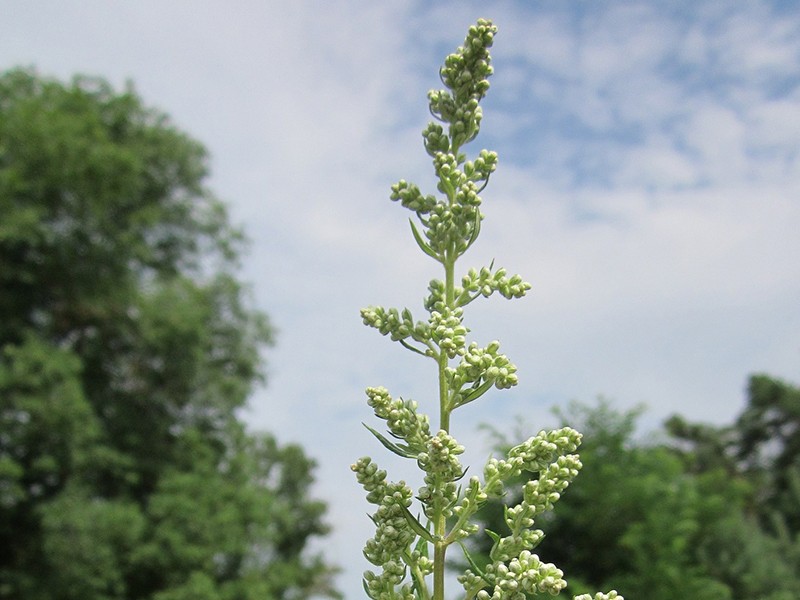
[(648, 188)]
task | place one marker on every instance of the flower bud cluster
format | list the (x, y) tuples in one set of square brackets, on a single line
[(442, 107), (524, 575), (451, 226), (472, 582), (396, 324), (536, 453), (546, 454), (421, 562), (435, 300), (385, 585), (447, 330), (510, 546), (436, 140), (483, 368), (463, 115), (411, 197), (446, 166), (401, 417), (393, 535), (457, 185), (371, 478), (465, 69), (540, 495), (442, 468), (465, 73), (473, 498), (467, 195), (484, 283), (612, 595), (461, 186), (495, 472), (440, 459), (482, 167)]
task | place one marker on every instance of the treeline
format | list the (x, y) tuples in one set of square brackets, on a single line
[(694, 511), (127, 346)]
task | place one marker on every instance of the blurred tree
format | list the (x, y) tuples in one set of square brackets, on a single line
[(638, 520), (767, 441), (763, 444), (761, 448), (126, 348)]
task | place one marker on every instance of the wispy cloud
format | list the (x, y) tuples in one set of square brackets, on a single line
[(648, 187)]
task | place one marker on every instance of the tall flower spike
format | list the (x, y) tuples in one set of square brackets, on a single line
[(411, 540)]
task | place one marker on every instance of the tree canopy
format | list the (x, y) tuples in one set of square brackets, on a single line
[(700, 512), (127, 345)]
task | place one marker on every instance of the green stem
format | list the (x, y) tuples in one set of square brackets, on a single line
[(439, 550), (419, 578), (444, 391), (444, 394), (449, 281), (440, 522)]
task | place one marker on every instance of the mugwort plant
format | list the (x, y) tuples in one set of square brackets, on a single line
[(413, 532)]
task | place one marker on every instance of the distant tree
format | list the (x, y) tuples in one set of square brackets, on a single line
[(768, 443), (640, 520), (763, 444), (762, 449), (126, 349)]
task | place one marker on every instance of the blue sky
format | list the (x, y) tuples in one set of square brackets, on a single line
[(648, 188)]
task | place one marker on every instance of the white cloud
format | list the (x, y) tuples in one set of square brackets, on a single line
[(648, 188)]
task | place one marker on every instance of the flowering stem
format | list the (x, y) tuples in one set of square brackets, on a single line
[(438, 567), (444, 389), (444, 409), (448, 227)]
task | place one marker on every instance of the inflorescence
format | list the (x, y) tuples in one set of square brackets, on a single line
[(410, 546)]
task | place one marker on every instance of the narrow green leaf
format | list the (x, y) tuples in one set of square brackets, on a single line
[(416, 526), (399, 449), (476, 392), (422, 547), (472, 564), (405, 344), (422, 243), (495, 536), (476, 229)]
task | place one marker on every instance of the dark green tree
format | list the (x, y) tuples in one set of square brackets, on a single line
[(762, 445), (767, 441), (762, 448), (126, 348), (642, 520)]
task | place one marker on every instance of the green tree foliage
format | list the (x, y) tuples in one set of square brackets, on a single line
[(643, 518), (762, 449), (126, 349)]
